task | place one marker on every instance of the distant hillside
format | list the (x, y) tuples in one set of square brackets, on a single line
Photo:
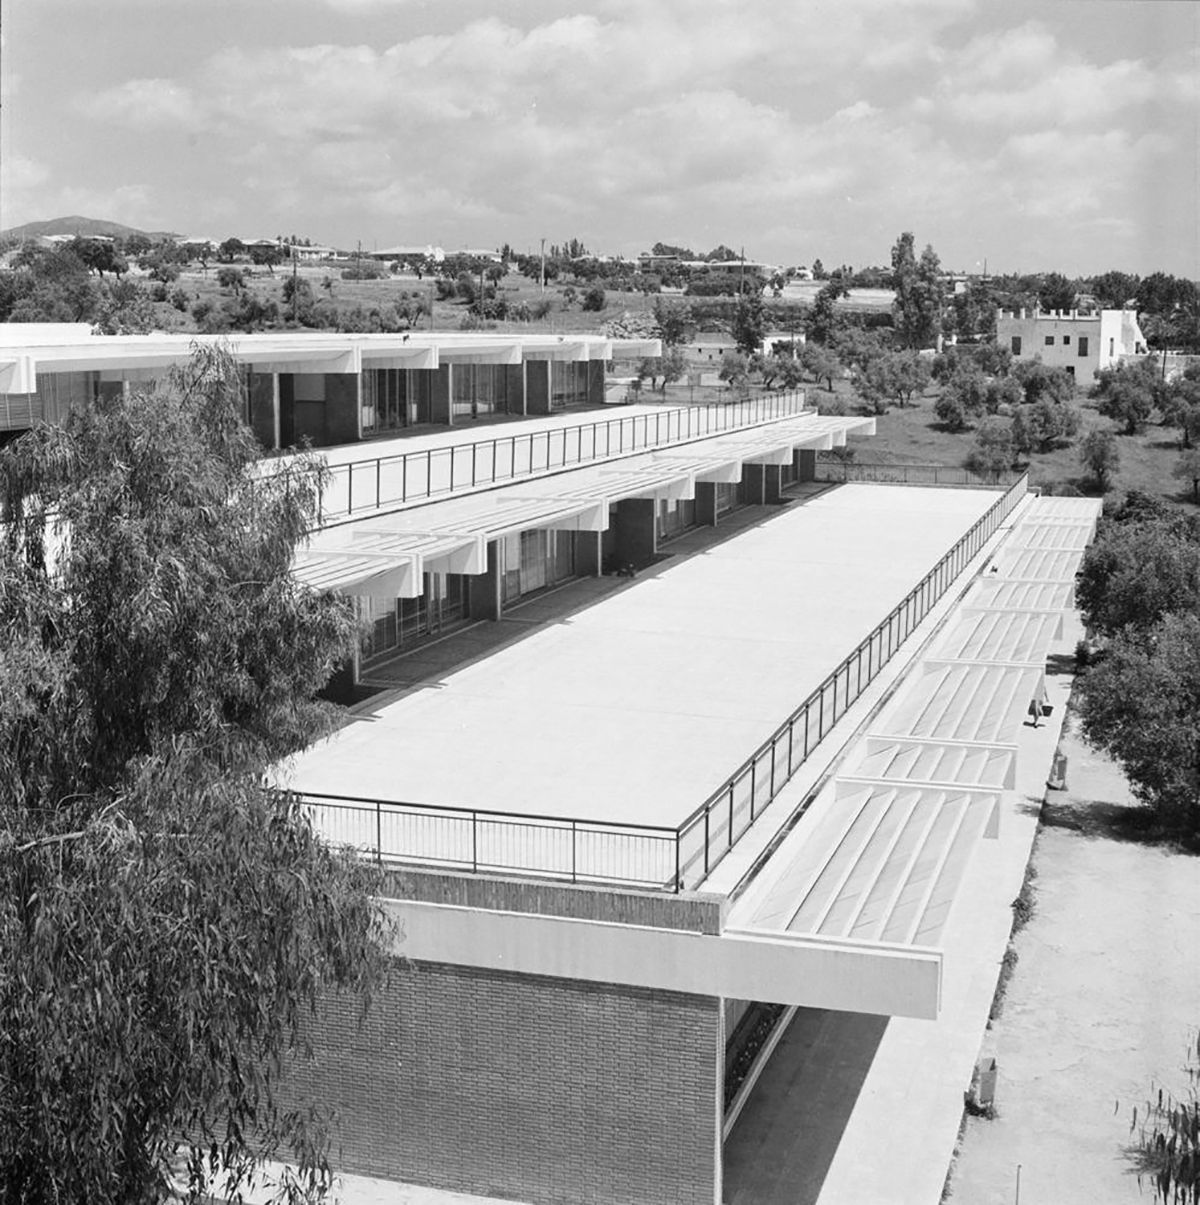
[(84, 227)]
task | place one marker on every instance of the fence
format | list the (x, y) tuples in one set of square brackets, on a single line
[(674, 859), (368, 485), (833, 469)]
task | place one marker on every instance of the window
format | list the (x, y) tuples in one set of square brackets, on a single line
[(1083, 345), (1066, 340), (1049, 340), (1016, 345)]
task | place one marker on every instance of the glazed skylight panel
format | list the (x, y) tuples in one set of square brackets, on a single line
[(1053, 536), (964, 703), (997, 594), (997, 636), (929, 762), (1037, 565)]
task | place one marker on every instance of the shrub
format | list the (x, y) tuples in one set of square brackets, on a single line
[(593, 299)]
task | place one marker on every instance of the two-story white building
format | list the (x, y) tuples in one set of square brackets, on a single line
[(1083, 344)]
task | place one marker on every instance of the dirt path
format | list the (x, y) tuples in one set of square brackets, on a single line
[(1102, 1002)]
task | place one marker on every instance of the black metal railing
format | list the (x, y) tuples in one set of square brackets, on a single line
[(373, 483), (661, 857)]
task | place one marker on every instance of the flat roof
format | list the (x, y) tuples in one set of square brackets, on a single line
[(637, 708)]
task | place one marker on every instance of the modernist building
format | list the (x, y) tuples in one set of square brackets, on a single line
[(666, 735), (1083, 344)]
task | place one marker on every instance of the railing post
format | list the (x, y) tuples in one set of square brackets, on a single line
[(474, 451), (378, 834), (574, 837), (350, 489), (404, 478), (429, 471), (707, 812), (678, 876), (474, 841), (753, 786), (731, 786)]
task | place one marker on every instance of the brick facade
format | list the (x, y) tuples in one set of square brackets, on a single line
[(543, 1090)]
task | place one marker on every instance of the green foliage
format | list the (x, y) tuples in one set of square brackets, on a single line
[(749, 324), (124, 309), (821, 363), (1112, 290), (1141, 703), (1044, 425), (893, 377), (920, 295), (964, 397), (734, 368), (1179, 404), (99, 256), (1138, 571), (47, 286), (230, 249), (822, 321), (1128, 393), (593, 300), (1099, 454), (674, 320), (168, 924), (1056, 292), (1187, 469), (992, 453), (1169, 312), (1168, 1136), (231, 278), (1040, 382)]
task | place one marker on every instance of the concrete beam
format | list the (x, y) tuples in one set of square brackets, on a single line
[(781, 968)]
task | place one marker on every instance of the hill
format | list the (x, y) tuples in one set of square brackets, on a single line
[(84, 227)]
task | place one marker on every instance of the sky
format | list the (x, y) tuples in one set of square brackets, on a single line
[(1031, 136)]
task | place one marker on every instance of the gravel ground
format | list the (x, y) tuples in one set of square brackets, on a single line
[(1101, 1005)]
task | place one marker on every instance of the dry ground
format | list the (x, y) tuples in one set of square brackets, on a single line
[(1101, 1004)]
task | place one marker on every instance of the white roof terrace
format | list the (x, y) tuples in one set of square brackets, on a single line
[(635, 709)]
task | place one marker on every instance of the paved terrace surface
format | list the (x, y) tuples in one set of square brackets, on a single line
[(639, 707)]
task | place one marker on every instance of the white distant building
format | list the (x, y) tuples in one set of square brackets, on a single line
[(1081, 343)]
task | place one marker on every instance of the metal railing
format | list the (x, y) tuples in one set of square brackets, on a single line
[(833, 469), (710, 832), (368, 485), (661, 857)]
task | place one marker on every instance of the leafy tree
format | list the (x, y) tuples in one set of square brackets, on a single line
[(124, 309), (818, 270), (593, 299), (1179, 404), (749, 323), (1187, 469), (230, 249), (1169, 312), (1141, 704), (894, 377), (266, 256), (1113, 290), (1045, 424), (675, 321), (920, 296), (231, 278), (821, 363), (162, 269), (992, 453), (167, 923), (1040, 382), (299, 300), (1137, 572), (1099, 454), (964, 397), (822, 321), (1056, 292), (100, 256), (1003, 392), (1127, 393), (974, 311), (47, 286), (858, 348), (734, 368)]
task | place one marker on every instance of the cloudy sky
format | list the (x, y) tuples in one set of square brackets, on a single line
[(1036, 135)]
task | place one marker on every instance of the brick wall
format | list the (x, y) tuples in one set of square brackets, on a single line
[(538, 1089)]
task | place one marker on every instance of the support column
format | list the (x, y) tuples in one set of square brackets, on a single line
[(635, 521), (343, 415), (595, 386), (588, 553), (483, 589), (806, 464), (537, 386), (754, 482), (514, 385), (706, 503), (772, 483), (440, 410)]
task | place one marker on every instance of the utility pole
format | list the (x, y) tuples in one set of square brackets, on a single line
[(543, 273)]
